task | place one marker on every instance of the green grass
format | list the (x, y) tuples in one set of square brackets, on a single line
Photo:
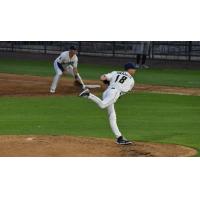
[(141, 116), (171, 77)]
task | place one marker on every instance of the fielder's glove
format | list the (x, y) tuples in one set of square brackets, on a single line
[(106, 82)]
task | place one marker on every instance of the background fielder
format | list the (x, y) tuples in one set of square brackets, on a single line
[(141, 49), (119, 84), (66, 63)]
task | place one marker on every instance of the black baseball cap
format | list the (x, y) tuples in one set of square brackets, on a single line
[(130, 65), (73, 48)]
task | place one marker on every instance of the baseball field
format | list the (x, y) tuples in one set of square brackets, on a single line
[(162, 116)]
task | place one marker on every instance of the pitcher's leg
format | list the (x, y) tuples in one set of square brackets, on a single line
[(108, 99), (113, 121), (97, 100)]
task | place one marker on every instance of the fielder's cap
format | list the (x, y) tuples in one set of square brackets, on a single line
[(130, 65), (73, 48)]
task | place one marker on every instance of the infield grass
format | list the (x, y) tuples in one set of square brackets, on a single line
[(141, 116), (170, 77)]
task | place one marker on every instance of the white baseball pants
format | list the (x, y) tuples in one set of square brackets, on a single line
[(110, 96), (59, 74)]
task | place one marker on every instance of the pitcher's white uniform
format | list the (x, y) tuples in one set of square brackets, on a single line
[(63, 62), (120, 83)]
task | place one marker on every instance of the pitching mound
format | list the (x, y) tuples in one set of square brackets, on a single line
[(81, 146)]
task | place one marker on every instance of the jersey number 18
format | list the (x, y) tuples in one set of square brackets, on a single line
[(121, 80)]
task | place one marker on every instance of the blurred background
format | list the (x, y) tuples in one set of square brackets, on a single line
[(176, 50)]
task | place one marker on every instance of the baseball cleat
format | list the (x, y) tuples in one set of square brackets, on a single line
[(52, 91), (85, 93), (122, 141)]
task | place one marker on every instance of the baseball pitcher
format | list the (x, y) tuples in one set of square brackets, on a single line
[(66, 63), (119, 83)]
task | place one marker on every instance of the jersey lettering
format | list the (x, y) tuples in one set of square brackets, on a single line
[(123, 78)]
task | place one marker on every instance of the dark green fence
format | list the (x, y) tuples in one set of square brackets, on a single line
[(176, 50)]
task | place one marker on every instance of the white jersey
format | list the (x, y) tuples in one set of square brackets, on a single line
[(122, 81), (66, 61)]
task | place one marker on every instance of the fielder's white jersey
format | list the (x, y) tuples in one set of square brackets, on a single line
[(122, 81), (66, 61)]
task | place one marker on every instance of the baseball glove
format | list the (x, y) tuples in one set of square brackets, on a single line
[(106, 82)]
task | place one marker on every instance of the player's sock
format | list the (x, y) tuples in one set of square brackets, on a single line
[(144, 59), (138, 59)]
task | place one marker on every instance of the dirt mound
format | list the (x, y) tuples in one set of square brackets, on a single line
[(24, 85), (82, 146)]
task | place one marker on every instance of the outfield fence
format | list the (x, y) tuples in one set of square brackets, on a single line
[(176, 50)]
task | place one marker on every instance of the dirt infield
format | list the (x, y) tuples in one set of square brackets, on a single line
[(81, 146), (24, 85)]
